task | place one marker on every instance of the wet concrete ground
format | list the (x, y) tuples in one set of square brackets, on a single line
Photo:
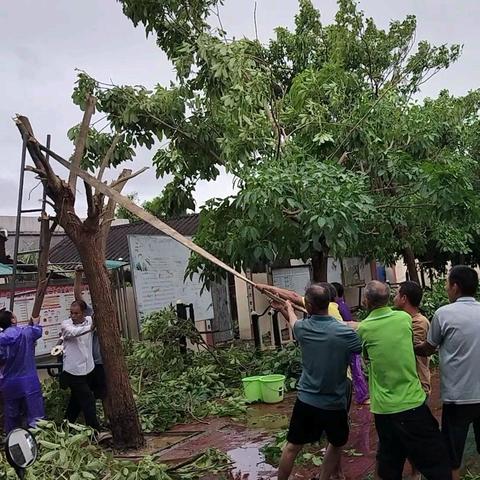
[(242, 440)]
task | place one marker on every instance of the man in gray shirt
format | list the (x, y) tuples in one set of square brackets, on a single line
[(455, 331), (321, 406)]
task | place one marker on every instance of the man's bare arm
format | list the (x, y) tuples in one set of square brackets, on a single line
[(424, 349), (353, 325), (283, 293), (286, 309), (77, 284)]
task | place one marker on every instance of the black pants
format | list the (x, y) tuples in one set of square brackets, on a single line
[(456, 421), (476, 431), (413, 434), (82, 399), (349, 394)]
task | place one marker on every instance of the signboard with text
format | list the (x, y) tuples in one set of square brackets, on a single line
[(55, 309)]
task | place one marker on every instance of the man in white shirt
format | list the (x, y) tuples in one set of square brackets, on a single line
[(78, 364), (455, 331)]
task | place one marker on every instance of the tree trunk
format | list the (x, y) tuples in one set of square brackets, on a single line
[(88, 237), (319, 266), (122, 411), (409, 258), (42, 270), (373, 269)]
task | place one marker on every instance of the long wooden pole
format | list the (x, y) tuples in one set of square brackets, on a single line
[(152, 220), (144, 215)]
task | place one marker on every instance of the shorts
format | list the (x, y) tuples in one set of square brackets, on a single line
[(97, 382), (456, 420), (413, 434), (308, 423)]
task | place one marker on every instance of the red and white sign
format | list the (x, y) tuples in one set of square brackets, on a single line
[(55, 309)]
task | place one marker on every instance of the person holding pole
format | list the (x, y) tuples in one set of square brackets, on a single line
[(360, 386), (78, 365), (321, 405), (455, 331), (405, 425), (297, 300), (98, 381), (19, 383)]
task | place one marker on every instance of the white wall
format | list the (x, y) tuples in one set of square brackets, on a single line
[(261, 302)]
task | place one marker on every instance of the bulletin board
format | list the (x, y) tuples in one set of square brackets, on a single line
[(55, 309), (158, 265), (292, 278)]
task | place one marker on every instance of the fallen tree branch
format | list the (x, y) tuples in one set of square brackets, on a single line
[(144, 215)]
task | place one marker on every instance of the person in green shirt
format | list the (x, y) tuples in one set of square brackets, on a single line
[(405, 425)]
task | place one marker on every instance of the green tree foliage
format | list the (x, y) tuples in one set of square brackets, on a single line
[(124, 214), (332, 153), (161, 206), (70, 451)]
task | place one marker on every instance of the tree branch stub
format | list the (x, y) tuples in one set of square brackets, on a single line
[(106, 159), (81, 141)]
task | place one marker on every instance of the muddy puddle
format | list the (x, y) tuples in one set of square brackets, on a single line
[(268, 422), (249, 463)]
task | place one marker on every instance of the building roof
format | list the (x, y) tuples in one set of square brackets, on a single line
[(117, 242), (7, 270)]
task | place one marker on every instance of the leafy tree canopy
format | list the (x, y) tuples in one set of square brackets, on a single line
[(331, 151)]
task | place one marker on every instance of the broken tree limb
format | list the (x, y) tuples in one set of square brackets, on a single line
[(42, 278), (108, 156), (154, 221), (148, 217), (81, 141), (26, 131), (125, 179), (109, 211)]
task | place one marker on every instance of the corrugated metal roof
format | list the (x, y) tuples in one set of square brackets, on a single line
[(117, 243), (5, 269)]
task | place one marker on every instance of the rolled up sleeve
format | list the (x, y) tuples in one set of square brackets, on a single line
[(71, 331)]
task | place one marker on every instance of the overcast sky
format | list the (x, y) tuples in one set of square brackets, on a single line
[(43, 41)]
